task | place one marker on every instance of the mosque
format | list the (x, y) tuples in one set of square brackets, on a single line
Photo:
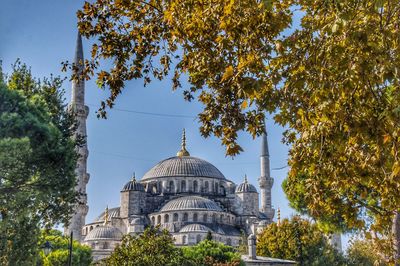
[(184, 194)]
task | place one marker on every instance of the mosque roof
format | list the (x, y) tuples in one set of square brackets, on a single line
[(183, 165), (245, 187), (133, 185), (113, 212), (191, 203), (104, 232), (195, 228)]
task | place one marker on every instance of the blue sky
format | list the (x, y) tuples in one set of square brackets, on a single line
[(43, 34)]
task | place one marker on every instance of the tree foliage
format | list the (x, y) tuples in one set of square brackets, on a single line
[(81, 254), (365, 252), (299, 240), (209, 253), (222, 47), (152, 248), (155, 247), (37, 163)]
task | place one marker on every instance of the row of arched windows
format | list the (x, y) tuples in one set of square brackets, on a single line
[(199, 238), (197, 217), (182, 186)]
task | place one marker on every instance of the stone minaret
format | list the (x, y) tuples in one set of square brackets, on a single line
[(77, 105), (265, 180)]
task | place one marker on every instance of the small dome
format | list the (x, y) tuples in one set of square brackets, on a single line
[(104, 232), (136, 221), (133, 185), (245, 187), (113, 212), (195, 228), (191, 203)]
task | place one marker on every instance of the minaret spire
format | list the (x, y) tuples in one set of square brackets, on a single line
[(78, 84), (80, 110), (183, 151), (265, 180)]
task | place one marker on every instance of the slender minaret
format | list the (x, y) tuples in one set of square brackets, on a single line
[(265, 180), (78, 107)]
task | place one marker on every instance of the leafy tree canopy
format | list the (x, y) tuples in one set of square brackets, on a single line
[(152, 248), (299, 240), (362, 251), (208, 253), (81, 254), (37, 163)]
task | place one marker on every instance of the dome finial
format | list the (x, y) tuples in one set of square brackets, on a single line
[(245, 178), (183, 151), (106, 216), (134, 177)]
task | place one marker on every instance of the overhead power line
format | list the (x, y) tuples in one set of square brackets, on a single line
[(148, 113)]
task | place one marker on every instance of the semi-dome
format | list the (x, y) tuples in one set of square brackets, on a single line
[(183, 166), (245, 187), (104, 232), (195, 228), (191, 203), (133, 185), (113, 212)]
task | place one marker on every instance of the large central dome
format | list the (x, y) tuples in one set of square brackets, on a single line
[(182, 166)]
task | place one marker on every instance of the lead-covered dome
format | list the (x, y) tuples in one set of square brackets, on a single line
[(133, 185), (104, 232), (191, 203), (195, 228), (245, 187), (183, 166), (112, 213)]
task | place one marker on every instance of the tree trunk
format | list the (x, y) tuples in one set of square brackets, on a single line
[(396, 236)]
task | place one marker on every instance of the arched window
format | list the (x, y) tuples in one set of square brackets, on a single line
[(206, 187), (205, 218), (214, 218), (91, 228), (166, 218), (183, 186), (221, 218), (195, 186), (171, 186), (175, 217), (153, 220), (159, 219), (198, 238), (223, 190), (195, 217), (229, 242), (184, 241), (185, 217), (105, 245), (216, 187)]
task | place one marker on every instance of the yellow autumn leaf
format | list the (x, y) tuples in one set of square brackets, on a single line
[(228, 73)]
